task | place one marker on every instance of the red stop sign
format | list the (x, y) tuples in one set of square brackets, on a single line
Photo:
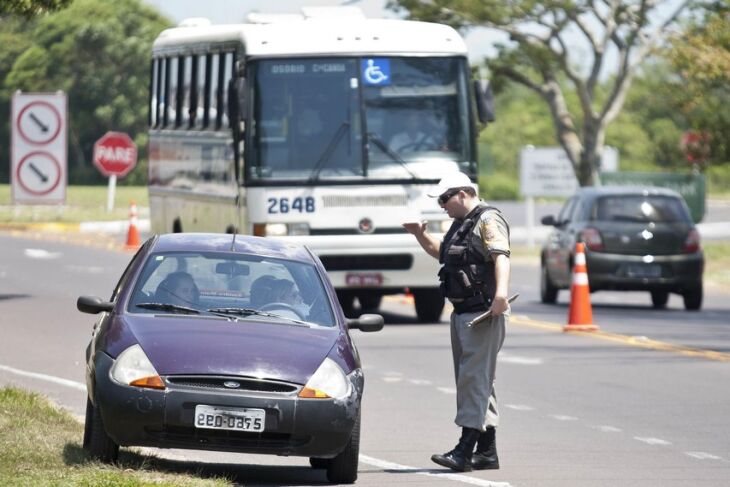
[(115, 154)]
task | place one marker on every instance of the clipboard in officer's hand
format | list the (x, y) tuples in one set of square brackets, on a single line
[(487, 313)]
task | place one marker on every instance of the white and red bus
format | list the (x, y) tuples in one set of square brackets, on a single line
[(326, 127)]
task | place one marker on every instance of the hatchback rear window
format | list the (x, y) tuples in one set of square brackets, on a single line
[(639, 208)]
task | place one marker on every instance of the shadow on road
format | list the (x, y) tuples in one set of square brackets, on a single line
[(237, 474)]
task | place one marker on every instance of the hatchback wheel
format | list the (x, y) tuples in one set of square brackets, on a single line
[(548, 291), (693, 298), (96, 442), (343, 468), (659, 299)]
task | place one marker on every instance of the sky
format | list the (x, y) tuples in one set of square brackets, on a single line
[(479, 42)]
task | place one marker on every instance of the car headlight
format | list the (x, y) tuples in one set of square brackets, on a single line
[(328, 382), (133, 368)]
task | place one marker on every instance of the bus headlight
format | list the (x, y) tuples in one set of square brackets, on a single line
[(280, 229)]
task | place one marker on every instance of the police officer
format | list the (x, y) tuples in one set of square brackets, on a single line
[(475, 273)]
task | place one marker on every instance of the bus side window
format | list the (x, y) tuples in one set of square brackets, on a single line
[(197, 95), (213, 92), (180, 101), (224, 76), (152, 105), (171, 96), (205, 87)]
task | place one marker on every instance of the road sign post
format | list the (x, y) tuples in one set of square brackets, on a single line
[(38, 148), (115, 155)]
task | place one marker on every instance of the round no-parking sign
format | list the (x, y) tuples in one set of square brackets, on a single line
[(38, 147)]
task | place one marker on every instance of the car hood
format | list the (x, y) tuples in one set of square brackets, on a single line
[(183, 345)]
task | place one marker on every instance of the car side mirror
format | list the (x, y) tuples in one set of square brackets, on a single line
[(549, 220), (93, 305), (366, 323)]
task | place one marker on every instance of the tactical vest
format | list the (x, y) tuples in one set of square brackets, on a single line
[(467, 277)]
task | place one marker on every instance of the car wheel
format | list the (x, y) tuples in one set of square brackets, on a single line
[(659, 299), (343, 468), (693, 298), (369, 301), (318, 463), (429, 304), (548, 291), (96, 441)]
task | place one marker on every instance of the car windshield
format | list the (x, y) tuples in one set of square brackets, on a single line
[(640, 209), (344, 119), (226, 284)]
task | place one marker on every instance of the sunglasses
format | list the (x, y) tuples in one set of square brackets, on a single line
[(447, 195)]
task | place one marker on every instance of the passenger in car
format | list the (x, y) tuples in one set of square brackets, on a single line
[(178, 288)]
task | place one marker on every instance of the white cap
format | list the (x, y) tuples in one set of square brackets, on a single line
[(453, 180)]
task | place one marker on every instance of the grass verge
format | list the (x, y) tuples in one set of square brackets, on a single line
[(41, 445), (83, 203)]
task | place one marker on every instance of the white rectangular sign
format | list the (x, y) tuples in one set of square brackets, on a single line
[(38, 148), (547, 171)]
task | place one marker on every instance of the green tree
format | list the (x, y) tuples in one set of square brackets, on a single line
[(98, 53), (544, 45), (701, 56), (30, 8)]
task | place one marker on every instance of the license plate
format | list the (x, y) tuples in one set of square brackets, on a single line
[(644, 271), (364, 279), (237, 419)]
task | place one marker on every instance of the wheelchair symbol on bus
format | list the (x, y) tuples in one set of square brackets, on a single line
[(376, 71)]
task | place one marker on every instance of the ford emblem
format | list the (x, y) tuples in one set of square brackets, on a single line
[(231, 384), (366, 226)]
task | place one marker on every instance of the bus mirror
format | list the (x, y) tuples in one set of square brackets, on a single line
[(241, 89), (485, 101), (236, 99)]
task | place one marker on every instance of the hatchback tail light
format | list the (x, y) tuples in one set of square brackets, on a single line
[(592, 238), (692, 242)]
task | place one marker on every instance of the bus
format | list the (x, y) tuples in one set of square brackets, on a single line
[(326, 127)]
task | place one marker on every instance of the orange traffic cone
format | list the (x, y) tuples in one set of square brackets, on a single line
[(580, 316), (132, 234)]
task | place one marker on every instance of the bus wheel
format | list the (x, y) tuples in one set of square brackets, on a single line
[(176, 226), (369, 301), (429, 304), (346, 299)]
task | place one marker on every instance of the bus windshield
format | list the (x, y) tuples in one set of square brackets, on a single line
[(345, 119)]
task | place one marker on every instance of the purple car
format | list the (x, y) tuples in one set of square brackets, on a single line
[(227, 343)]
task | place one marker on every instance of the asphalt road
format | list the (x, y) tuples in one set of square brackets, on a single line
[(643, 403)]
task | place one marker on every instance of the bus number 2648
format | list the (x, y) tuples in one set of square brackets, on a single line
[(286, 205)]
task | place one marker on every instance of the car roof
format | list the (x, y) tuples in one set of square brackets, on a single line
[(598, 191), (225, 242)]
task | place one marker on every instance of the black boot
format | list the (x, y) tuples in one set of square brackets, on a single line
[(485, 456), (459, 458)]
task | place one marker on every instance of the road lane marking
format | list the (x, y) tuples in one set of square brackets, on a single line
[(41, 254), (392, 379), (420, 382), (700, 455), (385, 465), (56, 380), (446, 390), (652, 441), (514, 359), (608, 429), (563, 417), (519, 407), (634, 341)]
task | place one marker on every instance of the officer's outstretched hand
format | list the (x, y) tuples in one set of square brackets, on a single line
[(415, 228)]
